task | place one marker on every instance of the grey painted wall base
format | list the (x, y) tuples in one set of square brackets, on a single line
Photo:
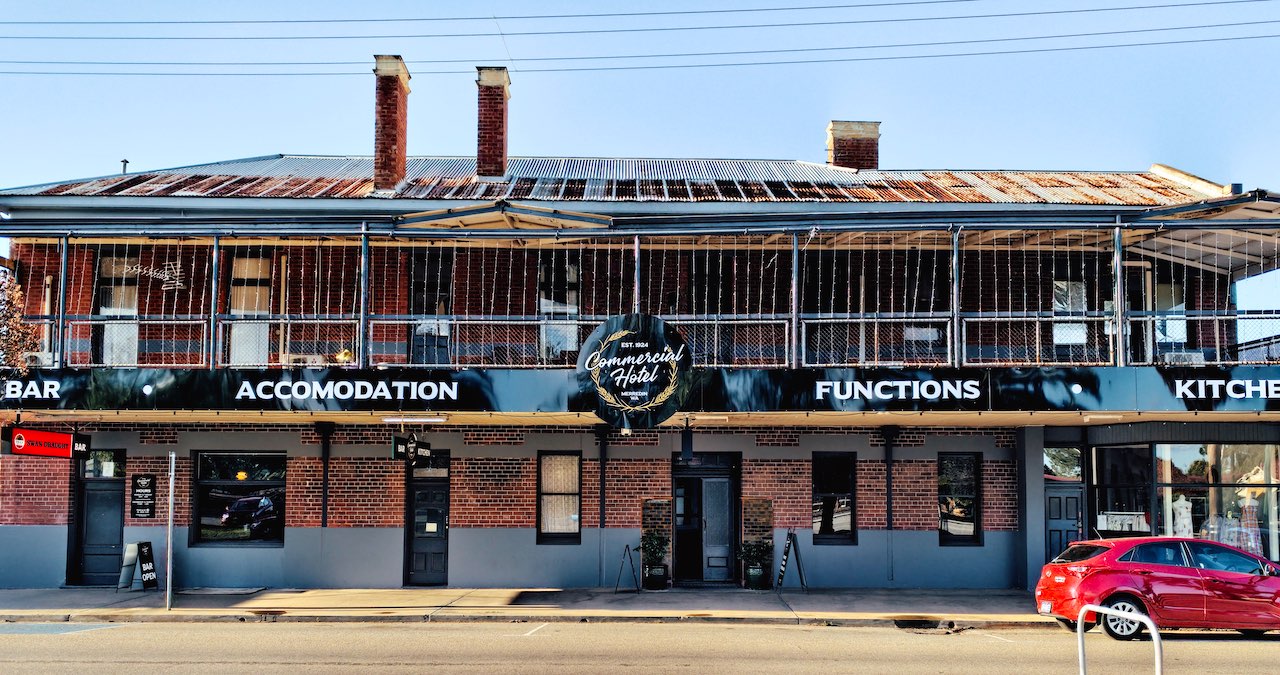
[(33, 556), (915, 560), (511, 557)]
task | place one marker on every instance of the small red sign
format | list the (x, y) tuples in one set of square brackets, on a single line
[(43, 443)]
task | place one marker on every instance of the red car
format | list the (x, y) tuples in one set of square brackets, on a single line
[(1179, 583)]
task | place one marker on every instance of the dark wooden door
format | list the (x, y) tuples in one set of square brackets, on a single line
[(100, 540), (1063, 517), (427, 547), (687, 544)]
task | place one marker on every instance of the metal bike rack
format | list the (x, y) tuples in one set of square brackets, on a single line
[(1140, 618)]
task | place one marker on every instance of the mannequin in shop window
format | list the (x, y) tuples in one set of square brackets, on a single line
[(1181, 516), (1250, 535)]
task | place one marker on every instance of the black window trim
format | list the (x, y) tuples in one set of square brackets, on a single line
[(193, 530), (976, 539), (837, 539), (557, 538)]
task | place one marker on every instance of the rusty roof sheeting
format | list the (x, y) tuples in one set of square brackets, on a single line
[(629, 180)]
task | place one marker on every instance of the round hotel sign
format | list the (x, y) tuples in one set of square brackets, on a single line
[(639, 368)]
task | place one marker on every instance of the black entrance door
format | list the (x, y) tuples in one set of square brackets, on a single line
[(427, 550), (704, 516), (1062, 515), (98, 531)]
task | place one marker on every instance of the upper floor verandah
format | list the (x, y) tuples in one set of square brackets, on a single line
[(929, 295)]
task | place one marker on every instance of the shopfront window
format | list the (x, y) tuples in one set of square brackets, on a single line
[(1122, 491), (959, 501), (239, 497), (559, 498), (833, 498), (1220, 492)]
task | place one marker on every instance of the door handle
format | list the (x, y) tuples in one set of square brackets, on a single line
[(1144, 573)]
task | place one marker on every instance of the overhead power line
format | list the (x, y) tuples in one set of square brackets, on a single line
[(900, 57), (608, 57), (439, 19), (599, 31)]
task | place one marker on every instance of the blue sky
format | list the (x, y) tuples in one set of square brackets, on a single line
[(1207, 108)]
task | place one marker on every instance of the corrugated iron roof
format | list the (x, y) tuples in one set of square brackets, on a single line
[(630, 180)]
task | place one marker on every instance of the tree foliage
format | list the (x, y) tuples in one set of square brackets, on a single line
[(17, 337)]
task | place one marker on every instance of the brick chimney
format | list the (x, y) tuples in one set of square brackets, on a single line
[(853, 145), (391, 116), (491, 125)]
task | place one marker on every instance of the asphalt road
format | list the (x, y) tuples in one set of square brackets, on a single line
[(592, 648)]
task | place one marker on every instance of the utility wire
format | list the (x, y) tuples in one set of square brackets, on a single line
[(599, 31), (743, 52), (902, 57), (519, 17)]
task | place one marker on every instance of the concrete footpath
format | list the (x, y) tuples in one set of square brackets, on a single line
[(913, 608)]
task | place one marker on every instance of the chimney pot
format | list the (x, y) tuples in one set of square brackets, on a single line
[(853, 145), (493, 89), (391, 118)]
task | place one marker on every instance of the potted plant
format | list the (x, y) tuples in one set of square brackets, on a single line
[(757, 558), (653, 551)]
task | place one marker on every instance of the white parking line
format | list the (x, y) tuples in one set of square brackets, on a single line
[(997, 637), (532, 631)]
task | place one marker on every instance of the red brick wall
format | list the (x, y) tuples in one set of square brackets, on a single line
[(629, 482), (915, 494), (871, 494), (181, 492), (34, 490), (1000, 495), (497, 492), (787, 482)]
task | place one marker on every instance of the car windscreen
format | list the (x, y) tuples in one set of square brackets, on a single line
[(1079, 552)]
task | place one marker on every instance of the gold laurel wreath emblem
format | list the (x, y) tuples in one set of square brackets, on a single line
[(613, 401)]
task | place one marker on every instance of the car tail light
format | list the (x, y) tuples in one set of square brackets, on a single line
[(1079, 571)]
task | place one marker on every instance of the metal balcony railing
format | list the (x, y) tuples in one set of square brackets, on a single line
[(1204, 338), (264, 342), (821, 340), (120, 342), (876, 341), (1037, 340)]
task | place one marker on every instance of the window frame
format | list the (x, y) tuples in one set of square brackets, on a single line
[(193, 532), (557, 538), (975, 539), (837, 539)]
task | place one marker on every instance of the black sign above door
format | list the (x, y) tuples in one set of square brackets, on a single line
[(639, 369)]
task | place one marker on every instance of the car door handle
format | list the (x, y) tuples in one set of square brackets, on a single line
[(1212, 580), (1143, 572)]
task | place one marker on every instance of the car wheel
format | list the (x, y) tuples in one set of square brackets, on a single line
[(1252, 633), (1071, 625), (1118, 627)]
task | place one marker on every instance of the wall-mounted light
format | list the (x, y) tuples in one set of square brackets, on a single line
[(415, 420), (344, 356), (5, 213), (1104, 417)]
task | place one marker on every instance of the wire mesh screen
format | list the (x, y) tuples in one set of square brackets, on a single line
[(875, 298), (729, 295), (289, 302), (131, 302), (1040, 297), (501, 302), (1203, 296)]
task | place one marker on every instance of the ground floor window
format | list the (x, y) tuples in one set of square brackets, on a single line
[(1220, 492), (959, 499), (559, 497), (834, 513), (239, 497)]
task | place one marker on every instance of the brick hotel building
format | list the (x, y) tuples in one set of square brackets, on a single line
[(933, 378)]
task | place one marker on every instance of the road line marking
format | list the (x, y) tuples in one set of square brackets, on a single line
[(535, 630), (996, 637)]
